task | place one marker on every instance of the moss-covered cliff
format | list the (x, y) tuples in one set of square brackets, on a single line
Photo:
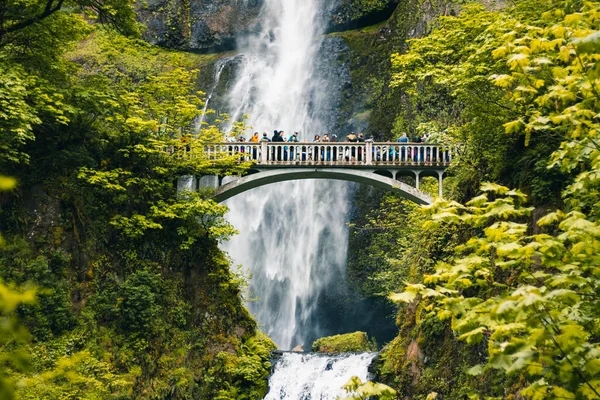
[(134, 297), (449, 83), (371, 104), (201, 25)]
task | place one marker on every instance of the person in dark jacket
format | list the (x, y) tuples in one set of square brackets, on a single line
[(293, 138), (403, 154), (277, 138)]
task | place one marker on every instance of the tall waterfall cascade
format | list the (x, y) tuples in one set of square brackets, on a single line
[(293, 236), (316, 376)]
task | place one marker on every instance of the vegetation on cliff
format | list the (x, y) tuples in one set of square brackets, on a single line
[(348, 342), (500, 294), (133, 298)]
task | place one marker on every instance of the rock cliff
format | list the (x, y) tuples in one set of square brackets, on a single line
[(213, 25), (205, 25)]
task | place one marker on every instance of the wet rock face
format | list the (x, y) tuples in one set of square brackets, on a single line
[(214, 25), (352, 14), (333, 72), (202, 25)]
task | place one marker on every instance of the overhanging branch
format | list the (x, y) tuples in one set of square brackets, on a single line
[(49, 9)]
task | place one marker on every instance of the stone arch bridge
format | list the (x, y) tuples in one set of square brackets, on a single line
[(376, 164)]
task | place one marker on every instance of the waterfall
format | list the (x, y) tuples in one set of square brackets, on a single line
[(293, 235), (219, 67), (316, 376), (276, 82)]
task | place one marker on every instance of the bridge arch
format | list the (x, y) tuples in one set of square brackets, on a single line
[(257, 179)]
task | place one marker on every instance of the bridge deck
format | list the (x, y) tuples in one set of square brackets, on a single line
[(345, 155)]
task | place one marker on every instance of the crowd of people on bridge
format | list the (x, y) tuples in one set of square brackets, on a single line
[(388, 152), (280, 136)]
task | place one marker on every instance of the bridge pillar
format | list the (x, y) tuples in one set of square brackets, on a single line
[(441, 179), (228, 179), (263, 150), (187, 182), (209, 181), (369, 152), (417, 177)]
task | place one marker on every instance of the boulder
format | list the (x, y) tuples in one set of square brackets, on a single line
[(349, 342)]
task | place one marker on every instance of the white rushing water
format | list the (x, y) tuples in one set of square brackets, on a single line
[(275, 85), (316, 376), (293, 235)]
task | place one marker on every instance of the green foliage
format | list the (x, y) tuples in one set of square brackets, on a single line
[(12, 336), (517, 89), (79, 376), (553, 80), (139, 303), (362, 391), (17, 116), (12, 333), (446, 78), (388, 246), (349, 342), (7, 183), (530, 297), (50, 315), (28, 93), (243, 374), (21, 18), (134, 297)]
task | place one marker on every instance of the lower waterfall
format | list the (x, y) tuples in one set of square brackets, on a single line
[(315, 376)]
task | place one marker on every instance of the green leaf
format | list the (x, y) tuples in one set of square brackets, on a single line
[(476, 370), (513, 126), (474, 336), (589, 44), (404, 297), (7, 183)]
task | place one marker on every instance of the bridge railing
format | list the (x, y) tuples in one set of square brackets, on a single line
[(356, 154)]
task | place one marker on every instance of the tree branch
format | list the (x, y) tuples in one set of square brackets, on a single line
[(50, 9)]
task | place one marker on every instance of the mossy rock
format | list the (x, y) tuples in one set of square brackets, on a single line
[(355, 342)]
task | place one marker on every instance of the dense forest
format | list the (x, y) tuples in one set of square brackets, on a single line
[(500, 279), (113, 286), (119, 288)]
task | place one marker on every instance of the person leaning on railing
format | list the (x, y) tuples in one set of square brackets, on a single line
[(293, 139), (277, 138), (403, 139)]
